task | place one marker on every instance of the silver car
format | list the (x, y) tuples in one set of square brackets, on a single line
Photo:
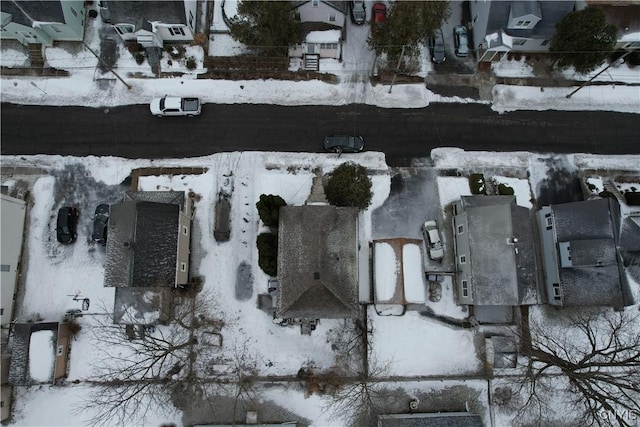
[(358, 12), (460, 40), (432, 240)]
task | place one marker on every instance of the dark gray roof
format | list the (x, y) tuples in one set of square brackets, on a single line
[(596, 274), (630, 234), (505, 351), (525, 7), (143, 240), (441, 419), (318, 262), (551, 11), (26, 11), (170, 197), (19, 367), (503, 272), (132, 12)]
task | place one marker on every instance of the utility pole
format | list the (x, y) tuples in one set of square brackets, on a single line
[(602, 71), (397, 68), (106, 65)]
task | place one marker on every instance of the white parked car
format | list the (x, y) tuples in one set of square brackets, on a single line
[(175, 106), (432, 239)]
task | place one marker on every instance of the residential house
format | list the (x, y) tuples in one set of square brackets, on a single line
[(583, 265), (495, 256), (13, 211), (147, 254), (39, 22), (50, 342), (152, 23), (525, 26), (625, 15), (318, 262), (323, 27)]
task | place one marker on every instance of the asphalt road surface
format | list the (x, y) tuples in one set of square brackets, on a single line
[(402, 134)]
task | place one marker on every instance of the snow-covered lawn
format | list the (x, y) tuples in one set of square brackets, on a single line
[(411, 344), (417, 345)]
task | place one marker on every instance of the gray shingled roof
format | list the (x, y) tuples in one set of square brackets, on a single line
[(500, 274), (132, 12), (551, 11), (318, 262), (441, 419), (19, 367), (592, 230), (143, 238), (25, 12)]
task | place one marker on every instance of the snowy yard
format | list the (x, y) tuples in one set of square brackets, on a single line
[(413, 356), (411, 345)]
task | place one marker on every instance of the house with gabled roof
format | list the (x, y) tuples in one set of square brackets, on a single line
[(147, 253), (318, 262), (495, 253), (39, 353), (152, 23), (33, 22), (322, 31), (583, 265), (520, 26)]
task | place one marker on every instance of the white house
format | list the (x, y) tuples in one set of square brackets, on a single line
[(42, 22), (521, 26), (323, 25), (152, 23), (12, 217)]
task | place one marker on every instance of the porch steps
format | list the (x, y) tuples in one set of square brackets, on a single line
[(36, 55), (312, 62), (609, 186), (317, 195)]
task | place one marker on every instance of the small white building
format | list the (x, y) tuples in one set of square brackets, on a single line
[(323, 26)]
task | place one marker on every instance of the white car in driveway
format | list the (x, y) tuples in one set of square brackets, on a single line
[(432, 239), (175, 106)]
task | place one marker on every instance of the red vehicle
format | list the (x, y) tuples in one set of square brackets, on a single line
[(378, 13)]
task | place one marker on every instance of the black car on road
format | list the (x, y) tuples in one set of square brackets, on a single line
[(100, 222), (66, 224), (344, 143)]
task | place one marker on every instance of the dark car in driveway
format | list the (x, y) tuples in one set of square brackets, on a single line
[(344, 143), (436, 45), (100, 223), (66, 224)]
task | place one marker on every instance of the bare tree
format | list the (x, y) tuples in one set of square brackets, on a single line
[(355, 381), (143, 368), (597, 354)]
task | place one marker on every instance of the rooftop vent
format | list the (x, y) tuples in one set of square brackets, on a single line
[(316, 276)]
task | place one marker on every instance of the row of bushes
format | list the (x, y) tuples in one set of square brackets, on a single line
[(478, 185)]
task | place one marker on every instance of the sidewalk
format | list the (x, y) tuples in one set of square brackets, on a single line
[(512, 85)]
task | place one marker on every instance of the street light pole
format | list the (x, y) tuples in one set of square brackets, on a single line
[(106, 65), (601, 71)]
